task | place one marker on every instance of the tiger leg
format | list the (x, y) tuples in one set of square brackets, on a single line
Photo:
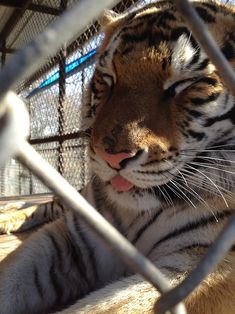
[(31, 216), (133, 295), (58, 264), (48, 270)]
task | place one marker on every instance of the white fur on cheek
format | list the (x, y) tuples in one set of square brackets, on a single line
[(141, 201)]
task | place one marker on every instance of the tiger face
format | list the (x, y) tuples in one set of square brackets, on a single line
[(158, 109)]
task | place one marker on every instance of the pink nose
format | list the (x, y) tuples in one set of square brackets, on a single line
[(113, 159)]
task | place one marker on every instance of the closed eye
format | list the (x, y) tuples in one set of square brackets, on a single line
[(178, 87)]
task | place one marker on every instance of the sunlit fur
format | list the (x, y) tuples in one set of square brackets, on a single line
[(155, 95)]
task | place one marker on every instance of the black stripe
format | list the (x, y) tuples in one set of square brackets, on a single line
[(45, 210), (127, 49), (54, 280), (173, 270), (91, 253), (197, 135), (170, 91), (202, 65), (199, 245), (165, 63), (192, 226), (211, 6), (228, 115), (205, 15), (76, 256), (177, 32), (149, 172), (145, 226), (195, 113), (208, 80), (52, 210), (165, 17), (194, 246), (195, 58), (58, 250), (135, 37), (61, 207), (135, 221), (231, 37), (201, 101), (228, 50), (37, 282), (93, 88), (4, 120)]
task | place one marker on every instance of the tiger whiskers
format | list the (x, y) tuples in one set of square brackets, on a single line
[(193, 193), (186, 187), (175, 189), (169, 197), (209, 148), (212, 159), (210, 166), (213, 183), (229, 194), (176, 183), (165, 195)]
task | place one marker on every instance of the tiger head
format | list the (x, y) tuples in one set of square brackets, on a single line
[(157, 105)]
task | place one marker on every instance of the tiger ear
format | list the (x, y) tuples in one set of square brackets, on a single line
[(107, 17)]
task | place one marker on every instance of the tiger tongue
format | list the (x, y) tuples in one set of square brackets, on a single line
[(120, 184)]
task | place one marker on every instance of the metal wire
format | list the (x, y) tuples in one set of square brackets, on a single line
[(14, 125)]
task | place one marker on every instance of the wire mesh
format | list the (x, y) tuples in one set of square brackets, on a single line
[(51, 113)]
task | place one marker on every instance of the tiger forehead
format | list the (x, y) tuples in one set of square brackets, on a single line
[(144, 40), (140, 40), (159, 22), (145, 29)]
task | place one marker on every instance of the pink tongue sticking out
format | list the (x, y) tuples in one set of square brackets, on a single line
[(121, 184)]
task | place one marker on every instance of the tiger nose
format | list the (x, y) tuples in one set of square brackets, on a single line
[(113, 160)]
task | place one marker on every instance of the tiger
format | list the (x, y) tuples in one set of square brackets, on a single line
[(161, 126)]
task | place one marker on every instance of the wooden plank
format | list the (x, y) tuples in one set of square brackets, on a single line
[(10, 242)]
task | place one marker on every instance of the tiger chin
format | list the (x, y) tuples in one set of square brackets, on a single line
[(161, 147)]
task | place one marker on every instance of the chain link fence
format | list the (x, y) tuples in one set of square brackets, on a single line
[(54, 99)]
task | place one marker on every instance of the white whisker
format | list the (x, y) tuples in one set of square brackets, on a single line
[(209, 167), (183, 194), (211, 182), (175, 192), (206, 186), (211, 158), (166, 196)]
